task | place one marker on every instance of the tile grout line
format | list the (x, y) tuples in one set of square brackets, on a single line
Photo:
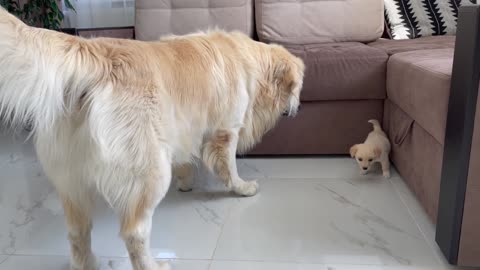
[(115, 258), (255, 170), (4, 259), (299, 262), (410, 212), (221, 234), (210, 265), (220, 260), (323, 178)]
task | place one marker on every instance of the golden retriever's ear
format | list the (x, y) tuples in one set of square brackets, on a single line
[(377, 151), (353, 150), (282, 74), (287, 68)]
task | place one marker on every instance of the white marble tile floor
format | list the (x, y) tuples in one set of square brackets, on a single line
[(310, 214)]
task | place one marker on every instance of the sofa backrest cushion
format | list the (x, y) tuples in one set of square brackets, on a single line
[(319, 21), (154, 18)]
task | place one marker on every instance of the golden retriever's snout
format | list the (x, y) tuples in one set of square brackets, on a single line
[(292, 112)]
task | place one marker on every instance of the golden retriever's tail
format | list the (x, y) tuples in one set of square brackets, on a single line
[(41, 75), (376, 124)]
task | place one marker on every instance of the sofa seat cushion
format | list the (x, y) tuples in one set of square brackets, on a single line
[(349, 119), (418, 82), (157, 18), (342, 71), (425, 43)]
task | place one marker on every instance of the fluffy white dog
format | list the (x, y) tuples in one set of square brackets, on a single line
[(114, 116)]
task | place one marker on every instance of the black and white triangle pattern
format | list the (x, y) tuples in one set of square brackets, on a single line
[(408, 19)]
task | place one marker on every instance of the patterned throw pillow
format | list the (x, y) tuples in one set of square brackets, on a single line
[(408, 19)]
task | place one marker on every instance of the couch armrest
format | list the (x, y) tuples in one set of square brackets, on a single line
[(463, 125)]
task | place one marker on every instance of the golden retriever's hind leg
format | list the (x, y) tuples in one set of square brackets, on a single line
[(184, 176), (219, 154), (137, 210), (79, 223)]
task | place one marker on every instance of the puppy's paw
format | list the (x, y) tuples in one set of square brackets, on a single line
[(184, 185), (386, 174), (363, 172), (246, 189), (184, 189), (163, 266)]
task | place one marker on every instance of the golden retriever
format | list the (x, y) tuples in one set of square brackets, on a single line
[(113, 117)]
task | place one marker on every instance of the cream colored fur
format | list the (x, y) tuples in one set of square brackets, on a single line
[(376, 148), (114, 116)]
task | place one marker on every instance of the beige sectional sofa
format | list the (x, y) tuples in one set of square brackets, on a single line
[(352, 76)]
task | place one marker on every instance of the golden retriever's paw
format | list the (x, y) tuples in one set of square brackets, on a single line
[(247, 189), (386, 175), (92, 263)]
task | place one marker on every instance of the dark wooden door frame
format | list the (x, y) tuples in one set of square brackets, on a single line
[(459, 132)]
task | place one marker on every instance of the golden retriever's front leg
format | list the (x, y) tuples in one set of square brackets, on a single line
[(219, 154)]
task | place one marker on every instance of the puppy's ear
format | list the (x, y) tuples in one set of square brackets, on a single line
[(353, 150), (377, 151)]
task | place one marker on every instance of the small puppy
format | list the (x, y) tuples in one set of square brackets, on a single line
[(376, 148)]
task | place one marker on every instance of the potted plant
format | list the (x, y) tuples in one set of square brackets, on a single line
[(39, 13)]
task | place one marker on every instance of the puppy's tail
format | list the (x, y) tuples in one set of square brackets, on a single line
[(41, 73), (376, 125)]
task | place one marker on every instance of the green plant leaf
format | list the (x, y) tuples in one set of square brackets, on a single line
[(45, 13), (69, 5), (54, 6), (5, 3)]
